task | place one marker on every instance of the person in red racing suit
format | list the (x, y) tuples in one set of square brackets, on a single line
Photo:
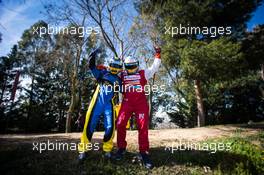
[(135, 101)]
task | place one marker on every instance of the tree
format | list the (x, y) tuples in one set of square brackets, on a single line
[(106, 14), (204, 62), (197, 14), (9, 66), (33, 49), (253, 45), (69, 46), (103, 14), (71, 49)]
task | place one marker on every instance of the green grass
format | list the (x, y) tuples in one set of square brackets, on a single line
[(245, 157)]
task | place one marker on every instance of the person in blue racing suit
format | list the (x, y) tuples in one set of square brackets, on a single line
[(102, 104)]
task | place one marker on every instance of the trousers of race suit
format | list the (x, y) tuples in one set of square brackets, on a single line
[(98, 107), (141, 110), (134, 101)]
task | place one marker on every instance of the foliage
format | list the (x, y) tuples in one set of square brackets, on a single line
[(46, 64), (221, 63), (250, 159)]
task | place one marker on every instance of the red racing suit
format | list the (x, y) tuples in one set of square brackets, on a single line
[(135, 101)]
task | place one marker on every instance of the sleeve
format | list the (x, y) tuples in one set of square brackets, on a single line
[(149, 72), (96, 72)]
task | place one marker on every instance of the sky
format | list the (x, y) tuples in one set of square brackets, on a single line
[(257, 18), (16, 16)]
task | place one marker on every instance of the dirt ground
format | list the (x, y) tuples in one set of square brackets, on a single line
[(156, 137), (18, 156)]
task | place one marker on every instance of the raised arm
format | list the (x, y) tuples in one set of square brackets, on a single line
[(150, 71), (96, 72)]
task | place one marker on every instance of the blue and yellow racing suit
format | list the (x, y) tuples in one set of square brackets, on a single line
[(102, 104)]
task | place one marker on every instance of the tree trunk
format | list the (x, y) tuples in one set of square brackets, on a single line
[(261, 88), (69, 113), (68, 122), (262, 71), (72, 104), (74, 90), (121, 45), (3, 91), (150, 108), (200, 106), (27, 127)]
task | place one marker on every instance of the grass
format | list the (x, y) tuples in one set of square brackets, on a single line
[(245, 157)]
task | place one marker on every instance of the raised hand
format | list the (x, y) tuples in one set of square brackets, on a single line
[(92, 58), (157, 49), (94, 53)]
